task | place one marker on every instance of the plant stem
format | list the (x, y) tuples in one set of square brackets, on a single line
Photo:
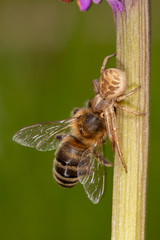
[(133, 56)]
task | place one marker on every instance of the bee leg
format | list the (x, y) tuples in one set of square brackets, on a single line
[(96, 86), (60, 137), (116, 139), (106, 162)]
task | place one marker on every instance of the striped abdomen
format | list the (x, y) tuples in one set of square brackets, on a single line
[(66, 162)]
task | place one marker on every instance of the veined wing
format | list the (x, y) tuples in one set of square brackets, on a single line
[(91, 174), (42, 135)]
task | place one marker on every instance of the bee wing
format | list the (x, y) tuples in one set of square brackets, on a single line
[(91, 174), (42, 135)]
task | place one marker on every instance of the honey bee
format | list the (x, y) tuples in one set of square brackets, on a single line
[(110, 90), (79, 156)]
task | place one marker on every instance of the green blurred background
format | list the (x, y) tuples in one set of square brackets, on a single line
[(49, 54)]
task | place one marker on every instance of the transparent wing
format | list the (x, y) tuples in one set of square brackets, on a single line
[(91, 174), (42, 135)]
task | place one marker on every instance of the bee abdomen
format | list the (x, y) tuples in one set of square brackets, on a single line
[(66, 176), (66, 163)]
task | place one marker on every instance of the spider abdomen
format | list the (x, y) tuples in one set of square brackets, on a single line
[(113, 83)]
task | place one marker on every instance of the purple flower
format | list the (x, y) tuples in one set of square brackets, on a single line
[(85, 4), (116, 5)]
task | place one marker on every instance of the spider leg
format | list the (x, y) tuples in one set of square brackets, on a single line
[(129, 110), (96, 86), (120, 98), (116, 139), (105, 62), (108, 123)]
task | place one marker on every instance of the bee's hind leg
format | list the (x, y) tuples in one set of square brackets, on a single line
[(106, 162)]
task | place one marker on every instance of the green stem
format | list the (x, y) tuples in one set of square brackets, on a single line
[(133, 56)]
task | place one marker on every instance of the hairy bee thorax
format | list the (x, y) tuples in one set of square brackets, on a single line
[(113, 83), (89, 127)]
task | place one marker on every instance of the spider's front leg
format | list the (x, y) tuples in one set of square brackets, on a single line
[(115, 137), (96, 86), (108, 123), (105, 61)]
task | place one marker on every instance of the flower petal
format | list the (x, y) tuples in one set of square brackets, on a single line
[(116, 5), (84, 4), (96, 1)]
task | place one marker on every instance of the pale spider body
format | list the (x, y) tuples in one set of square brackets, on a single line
[(110, 90)]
